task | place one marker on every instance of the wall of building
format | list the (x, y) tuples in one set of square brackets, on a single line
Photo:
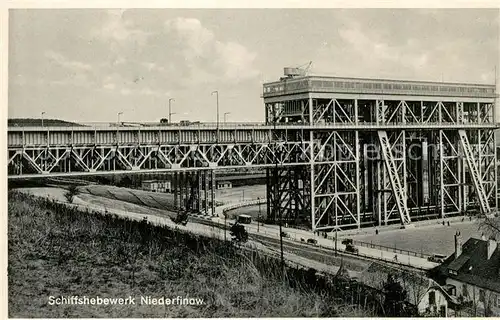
[(157, 186), (224, 185), (472, 293), (440, 300)]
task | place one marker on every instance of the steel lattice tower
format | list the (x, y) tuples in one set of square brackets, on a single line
[(380, 151)]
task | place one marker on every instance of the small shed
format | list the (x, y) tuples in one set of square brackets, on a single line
[(156, 186), (224, 185)]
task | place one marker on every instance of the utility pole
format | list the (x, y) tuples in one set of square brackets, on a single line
[(225, 114), (43, 112), (276, 203), (170, 113), (118, 115), (258, 216), (217, 94)]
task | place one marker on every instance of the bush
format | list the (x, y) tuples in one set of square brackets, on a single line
[(238, 233), (71, 193)]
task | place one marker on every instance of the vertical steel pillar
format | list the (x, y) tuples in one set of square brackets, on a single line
[(175, 188), (205, 191), (358, 175), (379, 191), (496, 166), (311, 164), (212, 193), (441, 168)]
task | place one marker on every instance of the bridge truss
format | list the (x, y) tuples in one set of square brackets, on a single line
[(332, 159)]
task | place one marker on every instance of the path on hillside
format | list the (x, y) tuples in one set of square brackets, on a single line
[(108, 206), (198, 226)]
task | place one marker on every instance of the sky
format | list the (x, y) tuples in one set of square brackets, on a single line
[(89, 64)]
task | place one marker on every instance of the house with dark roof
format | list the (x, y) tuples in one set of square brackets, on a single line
[(472, 275), (425, 294)]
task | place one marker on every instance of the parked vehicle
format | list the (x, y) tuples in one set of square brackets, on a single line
[(181, 218), (347, 241), (312, 241), (351, 248), (243, 218), (439, 258)]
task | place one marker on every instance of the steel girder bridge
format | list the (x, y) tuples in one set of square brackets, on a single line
[(338, 152)]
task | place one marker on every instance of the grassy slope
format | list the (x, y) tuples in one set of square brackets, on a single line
[(38, 122), (54, 251)]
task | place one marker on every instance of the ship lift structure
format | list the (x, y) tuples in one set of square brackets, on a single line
[(338, 152)]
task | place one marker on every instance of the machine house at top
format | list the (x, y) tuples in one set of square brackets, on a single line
[(380, 151)]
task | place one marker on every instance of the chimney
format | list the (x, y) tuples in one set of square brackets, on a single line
[(491, 247), (458, 244)]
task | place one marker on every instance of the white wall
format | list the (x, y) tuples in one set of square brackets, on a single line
[(473, 292), (440, 301)]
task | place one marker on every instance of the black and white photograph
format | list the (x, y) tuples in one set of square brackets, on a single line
[(252, 162)]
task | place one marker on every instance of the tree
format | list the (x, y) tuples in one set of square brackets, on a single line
[(163, 120), (238, 233), (395, 298), (491, 225), (71, 193)]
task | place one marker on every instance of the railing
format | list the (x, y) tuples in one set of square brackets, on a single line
[(382, 258), (376, 86), (255, 125), (390, 249), (244, 204), (298, 239)]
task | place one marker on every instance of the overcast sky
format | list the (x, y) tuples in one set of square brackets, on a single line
[(87, 65)]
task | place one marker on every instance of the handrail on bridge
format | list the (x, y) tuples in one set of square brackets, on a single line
[(245, 125)]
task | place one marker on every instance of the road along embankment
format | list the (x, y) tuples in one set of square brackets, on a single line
[(294, 255)]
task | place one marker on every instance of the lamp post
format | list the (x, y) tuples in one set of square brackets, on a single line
[(217, 94), (170, 113), (225, 114), (118, 116), (43, 112)]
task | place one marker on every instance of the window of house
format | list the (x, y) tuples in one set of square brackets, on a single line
[(498, 301), (481, 295), (465, 292), (432, 298)]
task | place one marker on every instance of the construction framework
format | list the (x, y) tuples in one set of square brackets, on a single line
[(339, 152), (381, 175)]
